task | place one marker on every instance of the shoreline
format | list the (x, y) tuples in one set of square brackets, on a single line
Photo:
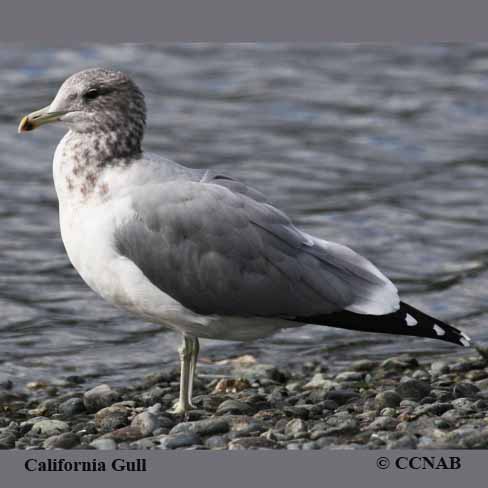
[(398, 403)]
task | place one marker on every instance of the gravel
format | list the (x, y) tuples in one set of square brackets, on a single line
[(397, 403)]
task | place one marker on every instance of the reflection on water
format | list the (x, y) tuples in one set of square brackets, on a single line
[(383, 149)]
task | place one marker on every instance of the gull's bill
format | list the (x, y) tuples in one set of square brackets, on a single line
[(38, 118)]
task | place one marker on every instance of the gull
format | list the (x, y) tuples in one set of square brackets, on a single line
[(196, 250)]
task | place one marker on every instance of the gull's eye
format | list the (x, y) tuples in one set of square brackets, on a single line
[(91, 94)]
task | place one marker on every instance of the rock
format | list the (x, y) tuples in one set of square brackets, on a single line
[(146, 422), (365, 365), (399, 362), (104, 444), (110, 418), (71, 407), (403, 442), (295, 426), (350, 376), (123, 434), (387, 398), (482, 384), (153, 395), (202, 427), (383, 423), (7, 440), (439, 367), (413, 389), (463, 404), (465, 390), (49, 428), (68, 440), (99, 397), (236, 407), (341, 397), (320, 381), (231, 385), (216, 442), (183, 439), (251, 443)]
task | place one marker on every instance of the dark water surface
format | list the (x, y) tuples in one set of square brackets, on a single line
[(382, 149)]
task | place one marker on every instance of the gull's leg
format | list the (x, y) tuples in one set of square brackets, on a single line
[(183, 404), (193, 366)]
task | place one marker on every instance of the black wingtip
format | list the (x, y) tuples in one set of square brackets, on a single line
[(407, 320)]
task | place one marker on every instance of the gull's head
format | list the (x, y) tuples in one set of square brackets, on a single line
[(94, 100)]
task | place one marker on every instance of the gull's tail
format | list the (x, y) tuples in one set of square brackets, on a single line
[(407, 320)]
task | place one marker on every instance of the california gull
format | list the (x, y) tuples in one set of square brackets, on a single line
[(196, 250)]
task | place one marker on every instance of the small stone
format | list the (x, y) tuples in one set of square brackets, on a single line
[(236, 407), (104, 444), (341, 397), (320, 381), (403, 442), (462, 404), (399, 362), (183, 439), (231, 385), (49, 428), (146, 422), (202, 427), (99, 397), (110, 418), (482, 384), (465, 390), (67, 440), (123, 434), (295, 426), (216, 442), (387, 398), (71, 407), (251, 443), (413, 389), (383, 423), (365, 365), (350, 376), (439, 367)]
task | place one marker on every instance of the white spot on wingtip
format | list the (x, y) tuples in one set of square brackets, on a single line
[(410, 320), (439, 330), (465, 341)]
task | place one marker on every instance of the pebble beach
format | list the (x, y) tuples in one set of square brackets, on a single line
[(398, 403)]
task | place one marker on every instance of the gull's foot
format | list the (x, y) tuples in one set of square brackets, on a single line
[(181, 409)]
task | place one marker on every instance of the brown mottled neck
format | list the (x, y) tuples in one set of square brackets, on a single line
[(85, 156)]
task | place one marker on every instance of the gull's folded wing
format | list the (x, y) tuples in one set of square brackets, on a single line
[(218, 248)]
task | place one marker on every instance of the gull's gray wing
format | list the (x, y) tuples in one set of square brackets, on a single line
[(217, 247)]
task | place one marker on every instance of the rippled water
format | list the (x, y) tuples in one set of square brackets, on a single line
[(380, 148)]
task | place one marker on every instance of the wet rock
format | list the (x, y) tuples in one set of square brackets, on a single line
[(71, 407), (110, 418), (387, 398), (413, 389), (146, 422), (99, 397), (178, 440), (124, 434), (67, 440), (202, 427), (49, 428), (104, 444)]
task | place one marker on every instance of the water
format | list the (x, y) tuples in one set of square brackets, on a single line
[(383, 149)]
